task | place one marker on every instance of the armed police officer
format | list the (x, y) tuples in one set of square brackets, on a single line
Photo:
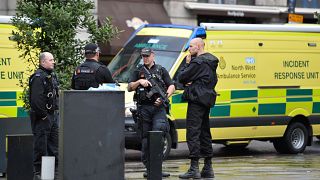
[(153, 86), (91, 73), (43, 98), (200, 78)]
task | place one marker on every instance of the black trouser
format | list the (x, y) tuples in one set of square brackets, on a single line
[(45, 139), (154, 118), (198, 131)]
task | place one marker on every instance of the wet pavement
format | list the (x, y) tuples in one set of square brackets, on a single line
[(302, 167), (258, 161)]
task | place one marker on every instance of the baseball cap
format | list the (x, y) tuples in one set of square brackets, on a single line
[(146, 51), (91, 48)]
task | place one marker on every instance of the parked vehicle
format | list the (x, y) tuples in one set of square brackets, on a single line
[(268, 85), (12, 70)]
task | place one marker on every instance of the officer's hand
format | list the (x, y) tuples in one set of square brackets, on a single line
[(188, 58), (145, 83), (158, 102)]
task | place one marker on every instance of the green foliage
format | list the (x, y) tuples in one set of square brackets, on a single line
[(52, 25)]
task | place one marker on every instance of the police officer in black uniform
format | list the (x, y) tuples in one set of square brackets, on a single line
[(200, 78), (43, 97), (152, 109), (91, 73)]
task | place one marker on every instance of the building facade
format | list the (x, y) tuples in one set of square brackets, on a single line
[(128, 15), (193, 12)]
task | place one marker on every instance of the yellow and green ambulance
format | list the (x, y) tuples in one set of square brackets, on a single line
[(12, 70), (13, 118), (269, 81)]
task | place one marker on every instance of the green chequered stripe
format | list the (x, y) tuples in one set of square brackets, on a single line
[(243, 94), (8, 103), (22, 112), (8, 95), (8, 98), (316, 107), (177, 99), (272, 109), (251, 96), (299, 92), (305, 99), (246, 101), (291, 93), (235, 94), (220, 110)]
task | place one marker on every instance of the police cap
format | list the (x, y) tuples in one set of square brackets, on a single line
[(91, 48), (146, 51)]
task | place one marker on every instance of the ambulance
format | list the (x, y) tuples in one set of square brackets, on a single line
[(268, 88), (12, 71)]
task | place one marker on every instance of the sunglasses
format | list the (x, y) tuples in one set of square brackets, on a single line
[(144, 55)]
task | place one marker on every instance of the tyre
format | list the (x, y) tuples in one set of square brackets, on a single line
[(294, 140), (318, 137), (167, 146)]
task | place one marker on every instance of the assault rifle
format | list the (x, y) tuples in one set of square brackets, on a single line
[(156, 89)]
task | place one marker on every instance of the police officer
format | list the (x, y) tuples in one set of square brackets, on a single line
[(199, 78), (43, 97), (152, 109), (91, 73)]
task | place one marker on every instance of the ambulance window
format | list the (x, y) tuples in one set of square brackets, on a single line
[(127, 61), (167, 51)]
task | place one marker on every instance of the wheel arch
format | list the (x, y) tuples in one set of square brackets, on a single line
[(305, 121)]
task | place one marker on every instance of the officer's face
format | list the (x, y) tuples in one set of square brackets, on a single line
[(148, 60), (48, 62), (194, 47)]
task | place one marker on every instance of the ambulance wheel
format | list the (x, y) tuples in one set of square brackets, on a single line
[(294, 140), (167, 146), (318, 137)]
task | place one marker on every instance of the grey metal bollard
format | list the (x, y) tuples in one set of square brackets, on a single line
[(155, 144)]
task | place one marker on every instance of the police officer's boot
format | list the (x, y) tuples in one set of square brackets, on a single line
[(207, 171), (193, 171)]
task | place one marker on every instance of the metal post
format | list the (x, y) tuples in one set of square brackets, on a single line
[(155, 144)]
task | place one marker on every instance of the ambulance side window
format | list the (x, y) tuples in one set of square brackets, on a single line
[(177, 84)]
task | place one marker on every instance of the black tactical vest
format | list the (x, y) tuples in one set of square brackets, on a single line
[(141, 92), (85, 76), (51, 87)]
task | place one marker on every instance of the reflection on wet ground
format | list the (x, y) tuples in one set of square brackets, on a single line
[(258, 161), (271, 167)]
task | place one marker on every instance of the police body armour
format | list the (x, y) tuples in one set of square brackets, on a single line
[(85, 76)]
